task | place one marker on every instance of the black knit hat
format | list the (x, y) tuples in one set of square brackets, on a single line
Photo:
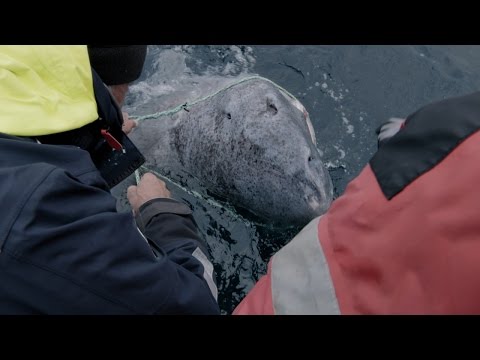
[(117, 64)]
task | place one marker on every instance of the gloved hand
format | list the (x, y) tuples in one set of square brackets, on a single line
[(389, 129)]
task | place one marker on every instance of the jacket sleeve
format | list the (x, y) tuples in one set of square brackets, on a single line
[(85, 257), (170, 229)]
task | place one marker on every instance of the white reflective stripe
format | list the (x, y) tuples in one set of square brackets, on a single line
[(143, 236), (207, 272), (301, 282)]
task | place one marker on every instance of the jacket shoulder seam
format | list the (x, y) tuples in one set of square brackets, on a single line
[(19, 208)]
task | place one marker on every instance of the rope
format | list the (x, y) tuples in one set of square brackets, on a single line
[(195, 194), (185, 105)]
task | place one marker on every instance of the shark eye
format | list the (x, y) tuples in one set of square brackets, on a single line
[(271, 106)]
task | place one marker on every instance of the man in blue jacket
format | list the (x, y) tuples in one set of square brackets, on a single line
[(64, 249)]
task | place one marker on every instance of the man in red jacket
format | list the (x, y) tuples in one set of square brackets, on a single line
[(404, 238)]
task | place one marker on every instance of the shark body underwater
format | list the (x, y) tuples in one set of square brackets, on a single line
[(251, 145)]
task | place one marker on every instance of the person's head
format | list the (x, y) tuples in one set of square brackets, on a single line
[(57, 95), (118, 66)]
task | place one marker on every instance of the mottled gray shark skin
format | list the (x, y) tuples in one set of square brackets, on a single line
[(251, 146)]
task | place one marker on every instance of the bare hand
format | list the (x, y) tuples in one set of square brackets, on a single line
[(150, 187), (128, 124), (389, 129)]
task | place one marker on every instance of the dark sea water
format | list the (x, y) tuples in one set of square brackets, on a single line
[(348, 91)]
